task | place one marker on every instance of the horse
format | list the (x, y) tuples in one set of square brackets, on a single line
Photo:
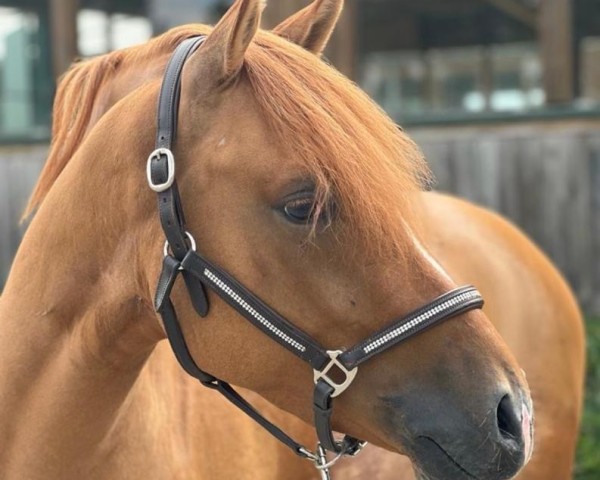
[(305, 190)]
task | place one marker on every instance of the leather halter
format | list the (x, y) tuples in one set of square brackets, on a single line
[(200, 274)]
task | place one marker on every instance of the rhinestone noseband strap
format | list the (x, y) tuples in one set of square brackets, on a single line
[(200, 274)]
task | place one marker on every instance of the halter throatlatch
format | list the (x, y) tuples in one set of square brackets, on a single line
[(180, 257)]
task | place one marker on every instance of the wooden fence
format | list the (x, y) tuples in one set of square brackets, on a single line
[(19, 169), (544, 176)]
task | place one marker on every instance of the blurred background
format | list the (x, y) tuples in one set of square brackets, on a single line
[(502, 95)]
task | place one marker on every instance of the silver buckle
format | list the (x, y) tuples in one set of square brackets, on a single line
[(159, 152), (189, 237), (359, 448), (338, 388)]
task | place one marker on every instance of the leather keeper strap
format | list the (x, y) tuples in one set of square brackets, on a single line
[(165, 308)]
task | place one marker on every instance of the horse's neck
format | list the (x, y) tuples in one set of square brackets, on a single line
[(58, 397), (74, 330)]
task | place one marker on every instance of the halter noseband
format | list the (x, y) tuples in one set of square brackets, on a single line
[(199, 274)]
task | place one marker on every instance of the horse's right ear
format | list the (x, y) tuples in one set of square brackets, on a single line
[(312, 27), (221, 57)]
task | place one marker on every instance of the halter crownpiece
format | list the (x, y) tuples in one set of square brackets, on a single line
[(180, 257)]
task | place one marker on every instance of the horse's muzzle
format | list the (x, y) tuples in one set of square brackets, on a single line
[(447, 442)]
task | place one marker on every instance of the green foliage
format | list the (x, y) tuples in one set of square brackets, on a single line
[(588, 454)]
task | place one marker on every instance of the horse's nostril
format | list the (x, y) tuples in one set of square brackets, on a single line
[(509, 424)]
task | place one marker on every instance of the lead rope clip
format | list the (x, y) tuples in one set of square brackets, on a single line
[(322, 464), (319, 458)]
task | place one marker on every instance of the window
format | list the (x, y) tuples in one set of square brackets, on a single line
[(25, 80), (99, 32), (436, 60), (471, 79)]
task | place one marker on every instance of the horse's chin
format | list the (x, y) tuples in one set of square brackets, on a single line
[(440, 469), (432, 462)]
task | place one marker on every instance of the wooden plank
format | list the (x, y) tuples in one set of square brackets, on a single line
[(527, 171), (556, 43), (342, 49), (592, 143), (437, 156), (343, 46), (19, 169), (578, 214), (509, 203), (278, 11), (487, 154), (5, 224), (63, 34), (424, 6)]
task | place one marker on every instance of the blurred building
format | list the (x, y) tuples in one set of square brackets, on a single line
[(423, 60), (452, 58), (502, 95)]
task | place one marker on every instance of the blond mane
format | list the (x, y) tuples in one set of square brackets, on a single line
[(346, 142)]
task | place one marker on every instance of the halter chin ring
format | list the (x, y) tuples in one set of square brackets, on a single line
[(339, 388), (155, 155), (190, 239)]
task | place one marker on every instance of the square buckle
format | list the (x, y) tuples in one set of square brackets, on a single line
[(338, 388)]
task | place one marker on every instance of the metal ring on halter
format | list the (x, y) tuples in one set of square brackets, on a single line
[(156, 154), (322, 457), (189, 237)]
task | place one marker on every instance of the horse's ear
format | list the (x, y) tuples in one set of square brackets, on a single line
[(222, 55), (312, 27)]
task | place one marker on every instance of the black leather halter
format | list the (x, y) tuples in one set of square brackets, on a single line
[(199, 274)]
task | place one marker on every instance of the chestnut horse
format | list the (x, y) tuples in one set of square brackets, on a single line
[(299, 185)]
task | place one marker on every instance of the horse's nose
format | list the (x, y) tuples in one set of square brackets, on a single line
[(514, 430)]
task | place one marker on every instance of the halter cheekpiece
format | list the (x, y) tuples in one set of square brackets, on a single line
[(181, 257)]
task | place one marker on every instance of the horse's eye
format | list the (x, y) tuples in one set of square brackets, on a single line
[(300, 210)]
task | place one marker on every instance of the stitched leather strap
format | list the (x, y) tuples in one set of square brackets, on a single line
[(169, 201), (164, 306), (256, 311), (442, 308), (182, 354)]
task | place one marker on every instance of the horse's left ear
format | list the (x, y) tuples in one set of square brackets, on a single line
[(222, 56), (312, 27)]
